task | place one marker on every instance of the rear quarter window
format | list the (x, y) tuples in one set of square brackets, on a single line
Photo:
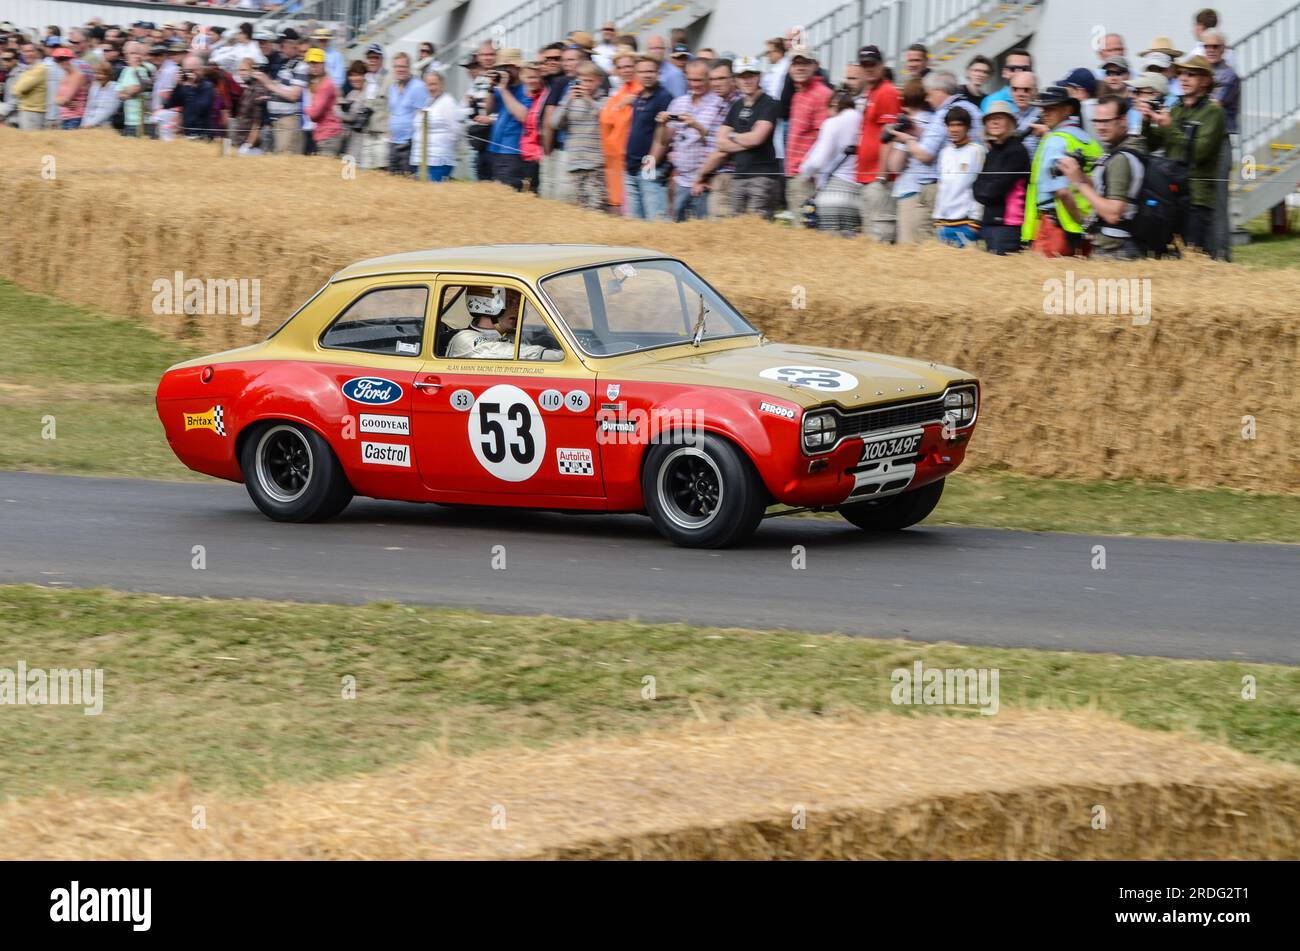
[(388, 320)]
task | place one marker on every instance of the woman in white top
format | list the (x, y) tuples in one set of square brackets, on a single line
[(833, 168), (101, 100), (435, 140)]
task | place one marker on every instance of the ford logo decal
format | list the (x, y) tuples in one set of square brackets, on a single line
[(372, 390)]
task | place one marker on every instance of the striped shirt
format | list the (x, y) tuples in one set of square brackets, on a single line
[(689, 149)]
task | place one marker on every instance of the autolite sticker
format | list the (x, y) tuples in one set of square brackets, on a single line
[(386, 454), (214, 419), (389, 425), (575, 462)]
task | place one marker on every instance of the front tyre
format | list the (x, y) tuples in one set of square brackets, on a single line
[(896, 511), (702, 495), (292, 474)]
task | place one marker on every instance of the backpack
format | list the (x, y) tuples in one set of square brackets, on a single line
[(1161, 201)]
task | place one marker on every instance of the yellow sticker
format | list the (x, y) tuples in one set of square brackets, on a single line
[(214, 419)]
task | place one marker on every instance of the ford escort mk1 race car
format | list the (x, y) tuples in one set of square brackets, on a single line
[(578, 378)]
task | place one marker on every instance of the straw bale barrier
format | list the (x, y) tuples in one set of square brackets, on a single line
[(1018, 785), (1085, 397)]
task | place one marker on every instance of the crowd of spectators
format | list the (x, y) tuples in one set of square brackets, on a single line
[(655, 130)]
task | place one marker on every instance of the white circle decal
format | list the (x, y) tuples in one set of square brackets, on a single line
[(814, 378), (462, 400), (576, 400), (551, 400), (507, 433)]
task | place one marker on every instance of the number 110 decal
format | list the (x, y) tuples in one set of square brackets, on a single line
[(507, 433)]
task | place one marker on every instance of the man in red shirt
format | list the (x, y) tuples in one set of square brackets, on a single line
[(882, 109), (807, 113)]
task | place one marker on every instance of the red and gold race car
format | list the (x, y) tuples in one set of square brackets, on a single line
[(571, 377)]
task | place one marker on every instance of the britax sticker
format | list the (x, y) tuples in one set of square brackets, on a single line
[(372, 390), (388, 425), (575, 462), (386, 454), (214, 419), (776, 409)]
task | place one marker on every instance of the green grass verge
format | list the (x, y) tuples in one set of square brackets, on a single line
[(96, 376), (1267, 250), (235, 694)]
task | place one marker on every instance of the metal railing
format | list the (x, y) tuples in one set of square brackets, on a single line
[(1269, 60)]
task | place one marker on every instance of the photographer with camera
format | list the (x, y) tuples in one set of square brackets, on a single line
[(512, 103), (689, 128), (1115, 183), (1054, 211), (1193, 132), (193, 96)]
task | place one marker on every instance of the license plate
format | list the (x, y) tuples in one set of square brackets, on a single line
[(887, 448)]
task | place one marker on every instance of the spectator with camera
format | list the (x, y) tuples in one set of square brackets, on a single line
[(1054, 212), (745, 138), (878, 214), (914, 181), (690, 127), (645, 179), (193, 95), (511, 104), (578, 116), (134, 87), (1114, 187), (1001, 184), (831, 167), (555, 178), (1193, 132)]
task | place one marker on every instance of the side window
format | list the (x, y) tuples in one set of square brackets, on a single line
[(388, 321), (536, 342), (477, 322)]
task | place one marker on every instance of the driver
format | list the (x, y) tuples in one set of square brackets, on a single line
[(494, 315)]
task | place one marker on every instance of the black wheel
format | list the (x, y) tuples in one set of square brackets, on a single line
[(292, 475), (896, 511), (702, 495)]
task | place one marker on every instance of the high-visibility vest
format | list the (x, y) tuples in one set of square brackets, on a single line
[(1076, 140)]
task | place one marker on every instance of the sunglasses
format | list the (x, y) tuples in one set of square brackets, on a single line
[(1116, 72), (552, 59), (1018, 69), (1214, 46)]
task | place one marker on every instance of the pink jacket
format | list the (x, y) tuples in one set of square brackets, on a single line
[(322, 112), (807, 113)]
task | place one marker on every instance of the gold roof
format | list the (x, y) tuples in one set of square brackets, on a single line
[(526, 261)]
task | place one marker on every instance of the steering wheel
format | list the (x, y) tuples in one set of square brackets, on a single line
[(545, 338)]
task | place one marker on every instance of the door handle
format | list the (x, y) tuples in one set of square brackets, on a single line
[(428, 383)]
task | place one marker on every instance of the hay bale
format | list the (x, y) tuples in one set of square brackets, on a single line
[(1019, 785), (1066, 396)]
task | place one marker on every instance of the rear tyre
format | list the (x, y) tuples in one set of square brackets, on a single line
[(896, 511), (702, 495), (292, 474)]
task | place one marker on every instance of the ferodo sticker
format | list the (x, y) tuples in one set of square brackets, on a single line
[(507, 433), (823, 379), (214, 419), (575, 462), (372, 390), (776, 409), (386, 454), (389, 425)]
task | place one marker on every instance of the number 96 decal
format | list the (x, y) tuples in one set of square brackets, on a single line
[(507, 433)]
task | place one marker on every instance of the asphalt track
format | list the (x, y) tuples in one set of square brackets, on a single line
[(972, 586)]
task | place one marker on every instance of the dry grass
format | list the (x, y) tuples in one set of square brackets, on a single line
[(1019, 785), (1081, 397)]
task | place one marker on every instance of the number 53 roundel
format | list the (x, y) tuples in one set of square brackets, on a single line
[(507, 433)]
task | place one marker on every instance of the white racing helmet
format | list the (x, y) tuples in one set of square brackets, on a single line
[(485, 302)]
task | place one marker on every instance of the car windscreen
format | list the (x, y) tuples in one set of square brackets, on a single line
[(635, 305)]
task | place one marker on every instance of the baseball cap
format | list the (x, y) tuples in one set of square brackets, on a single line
[(1053, 96), (803, 53), (63, 53), (314, 56), (52, 42), (745, 64), (264, 36), (681, 49), (1159, 60), (870, 54), (1118, 61), (1081, 78), (1150, 82), (289, 33), (375, 48)]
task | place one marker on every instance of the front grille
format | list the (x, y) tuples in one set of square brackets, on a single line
[(916, 413)]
